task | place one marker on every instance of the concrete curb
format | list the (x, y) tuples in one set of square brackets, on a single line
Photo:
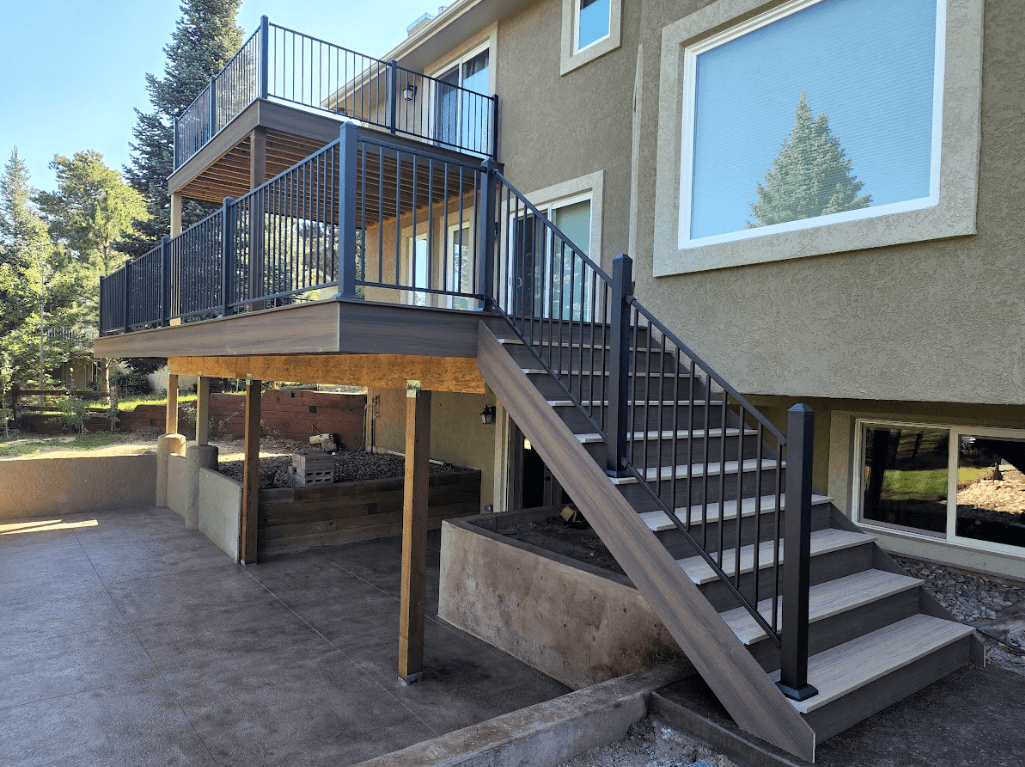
[(545, 734)]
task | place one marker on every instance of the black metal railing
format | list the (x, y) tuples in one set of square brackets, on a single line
[(292, 67), (637, 385)]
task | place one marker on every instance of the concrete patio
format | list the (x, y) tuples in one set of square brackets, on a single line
[(128, 640)]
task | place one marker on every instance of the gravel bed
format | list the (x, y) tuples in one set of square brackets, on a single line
[(350, 466), (651, 743)]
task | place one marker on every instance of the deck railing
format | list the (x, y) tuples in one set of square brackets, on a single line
[(281, 64)]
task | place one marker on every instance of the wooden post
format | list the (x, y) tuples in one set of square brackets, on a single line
[(171, 422), (176, 213), (251, 476), (414, 533), (203, 411)]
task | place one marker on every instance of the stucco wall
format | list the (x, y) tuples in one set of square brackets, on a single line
[(457, 434), (177, 485), (43, 486), (939, 321), (220, 500)]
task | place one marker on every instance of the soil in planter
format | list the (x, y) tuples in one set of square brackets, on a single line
[(350, 466), (552, 534)]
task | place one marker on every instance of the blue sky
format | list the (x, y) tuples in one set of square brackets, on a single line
[(867, 64), (72, 72)]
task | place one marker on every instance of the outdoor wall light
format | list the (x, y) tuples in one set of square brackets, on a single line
[(409, 92), (487, 415)]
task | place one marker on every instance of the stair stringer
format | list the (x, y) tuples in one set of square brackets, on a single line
[(735, 677)]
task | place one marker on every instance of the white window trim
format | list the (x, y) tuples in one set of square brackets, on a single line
[(951, 536), (452, 277), (576, 29), (573, 57), (957, 135)]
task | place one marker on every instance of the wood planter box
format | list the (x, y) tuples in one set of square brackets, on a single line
[(294, 518), (574, 622)]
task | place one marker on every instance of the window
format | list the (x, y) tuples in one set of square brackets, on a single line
[(419, 272), (593, 22), (460, 265), (961, 484), (463, 119), (590, 29), (815, 127)]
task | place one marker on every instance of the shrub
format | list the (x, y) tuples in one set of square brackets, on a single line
[(72, 413)]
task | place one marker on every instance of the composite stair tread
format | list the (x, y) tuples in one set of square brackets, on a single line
[(822, 542), (850, 666), (698, 470), (825, 600), (668, 434), (659, 521), (600, 372), (650, 402)]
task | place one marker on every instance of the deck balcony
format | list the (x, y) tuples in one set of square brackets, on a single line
[(282, 96)]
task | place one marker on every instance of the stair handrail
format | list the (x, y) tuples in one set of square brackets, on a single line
[(628, 317)]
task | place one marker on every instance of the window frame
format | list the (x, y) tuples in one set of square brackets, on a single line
[(577, 9), (571, 55), (955, 431), (956, 123), (455, 61)]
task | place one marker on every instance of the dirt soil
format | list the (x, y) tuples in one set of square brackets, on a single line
[(552, 534), (350, 466), (651, 742), (51, 446)]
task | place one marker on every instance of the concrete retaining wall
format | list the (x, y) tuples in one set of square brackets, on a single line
[(220, 500), (44, 486), (576, 623)]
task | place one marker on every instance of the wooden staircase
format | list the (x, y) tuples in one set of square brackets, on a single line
[(874, 635)]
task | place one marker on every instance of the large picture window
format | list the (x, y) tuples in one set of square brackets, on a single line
[(962, 484), (818, 112)]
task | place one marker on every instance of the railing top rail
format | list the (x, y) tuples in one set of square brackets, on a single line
[(741, 400), (453, 86), (323, 150), (218, 73), (322, 41), (549, 225), (195, 225), (424, 151)]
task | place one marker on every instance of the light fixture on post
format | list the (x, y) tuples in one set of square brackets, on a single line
[(409, 92), (487, 415)]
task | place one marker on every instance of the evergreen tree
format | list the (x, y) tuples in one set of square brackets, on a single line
[(811, 176), (205, 37)]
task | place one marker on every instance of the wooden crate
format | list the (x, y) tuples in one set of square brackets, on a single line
[(313, 469)]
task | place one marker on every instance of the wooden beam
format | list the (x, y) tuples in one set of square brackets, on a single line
[(251, 476), (203, 410), (171, 420), (414, 533), (176, 214), (383, 371)]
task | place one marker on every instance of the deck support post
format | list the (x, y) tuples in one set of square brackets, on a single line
[(171, 419), (348, 136), (414, 533), (176, 213), (251, 475), (257, 175), (619, 368), (203, 410), (793, 678)]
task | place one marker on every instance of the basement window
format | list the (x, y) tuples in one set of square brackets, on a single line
[(965, 485)]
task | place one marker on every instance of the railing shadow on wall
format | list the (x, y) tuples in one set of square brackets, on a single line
[(291, 67)]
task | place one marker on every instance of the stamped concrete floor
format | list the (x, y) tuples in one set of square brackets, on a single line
[(128, 640)]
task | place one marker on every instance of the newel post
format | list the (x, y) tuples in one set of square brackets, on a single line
[(165, 281), (619, 356), (128, 296), (347, 211), (393, 94), (213, 107), (227, 257), (488, 232), (793, 680), (264, 57)]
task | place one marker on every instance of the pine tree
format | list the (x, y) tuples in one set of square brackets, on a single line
[(811, 176), (205, 37)]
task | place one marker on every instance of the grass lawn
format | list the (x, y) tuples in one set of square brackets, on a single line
[(928, 484), (129, 403), (17, 447)]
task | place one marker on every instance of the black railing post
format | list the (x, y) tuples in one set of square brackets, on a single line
[(488, 230), (165, 281), (494, 127), (213, 106), (128, 295), (619, 354), (264, 56), (393, 94), (793, 678), (347, 211), (227, 257)]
